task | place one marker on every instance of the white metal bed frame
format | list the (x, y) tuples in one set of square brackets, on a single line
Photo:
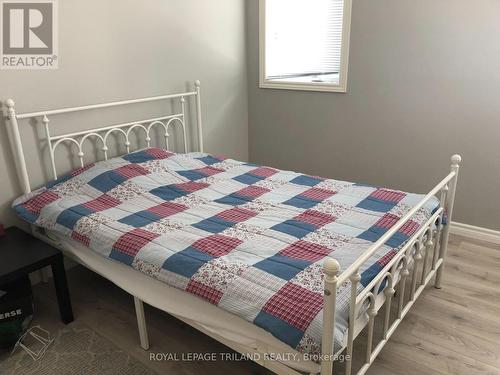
[(416, 263)]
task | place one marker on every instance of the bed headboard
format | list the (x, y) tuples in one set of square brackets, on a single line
[(101, 134)]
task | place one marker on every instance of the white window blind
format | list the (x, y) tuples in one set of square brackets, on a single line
[(303, 37)]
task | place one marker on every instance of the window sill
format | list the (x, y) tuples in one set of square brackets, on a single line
[(331, 83), (303, 86)]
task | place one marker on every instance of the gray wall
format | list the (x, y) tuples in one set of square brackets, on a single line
[(424, 83), (113, 50)]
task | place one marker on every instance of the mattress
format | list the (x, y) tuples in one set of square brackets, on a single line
[(248, 239)]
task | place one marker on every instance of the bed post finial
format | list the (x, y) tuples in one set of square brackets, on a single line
[(197, 84), (456, 160), (331, 269), (17, 147)]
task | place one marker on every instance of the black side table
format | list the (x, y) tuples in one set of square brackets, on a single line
[(21, 254)]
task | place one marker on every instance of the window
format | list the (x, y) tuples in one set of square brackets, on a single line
[(304, 44)]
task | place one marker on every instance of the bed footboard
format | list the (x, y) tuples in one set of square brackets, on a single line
[(408, 272)]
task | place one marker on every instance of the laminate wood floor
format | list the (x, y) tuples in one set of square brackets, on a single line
[(454, 330)]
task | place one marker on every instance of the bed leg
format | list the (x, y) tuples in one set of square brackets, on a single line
[(450, 200), (141, 323), (331, 269)]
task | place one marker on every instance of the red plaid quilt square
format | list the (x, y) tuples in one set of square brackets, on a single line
[(317, 194), (263, 172), (131, 171), (316, 218), (295, 305), (130, 243), (102, 203), (409, 228), (388, 195), (209, 171), (191, 186), (217, 245), (84, 240), (36, 204), (252, 191), (306, 250), (167, 209), (387, 221), (386, 258), (208, 293), (159, 153), (236, 215)]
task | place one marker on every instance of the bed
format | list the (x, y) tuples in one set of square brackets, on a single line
[(283, 267)]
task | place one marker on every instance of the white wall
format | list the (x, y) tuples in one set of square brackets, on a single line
[(115, 49)]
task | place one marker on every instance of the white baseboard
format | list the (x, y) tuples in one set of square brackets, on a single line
[(476, 233)]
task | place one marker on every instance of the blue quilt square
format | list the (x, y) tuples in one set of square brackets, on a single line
[(186, 262), (192, 175), (213, 225), (248, 179), (178, 190), (372, 234), (374, 204), (121, 257), (29, 216), (301, 202), (369, 274), (138, 157), (294, 228), (279, 328), (69, 217), (397, 240), (233, 200), (306, 180), (140, 219), (168, 193), (209, 160), (282, 266), (107, 181)]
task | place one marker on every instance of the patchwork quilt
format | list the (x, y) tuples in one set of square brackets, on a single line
[(247, 238)]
